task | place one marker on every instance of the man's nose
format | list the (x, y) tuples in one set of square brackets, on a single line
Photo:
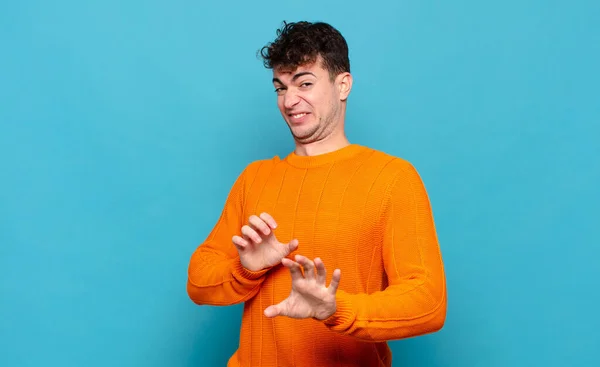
[(290, 99)]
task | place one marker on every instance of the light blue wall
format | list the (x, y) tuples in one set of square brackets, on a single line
[(124, 124)]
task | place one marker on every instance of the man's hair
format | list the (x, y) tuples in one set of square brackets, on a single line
[(300, 43)]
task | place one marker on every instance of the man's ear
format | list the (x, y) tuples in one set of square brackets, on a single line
[(344, 82)]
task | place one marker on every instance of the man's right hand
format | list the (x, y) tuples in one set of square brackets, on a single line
[(258, 247)]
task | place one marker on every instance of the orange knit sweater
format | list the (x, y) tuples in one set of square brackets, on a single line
[(359, 210)]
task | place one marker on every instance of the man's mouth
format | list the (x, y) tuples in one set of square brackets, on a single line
[(298, 118)]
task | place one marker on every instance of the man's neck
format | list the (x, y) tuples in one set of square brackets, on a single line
[(327, 145)]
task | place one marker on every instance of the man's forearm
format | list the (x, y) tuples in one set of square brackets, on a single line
[(401, 311), (215, 279)]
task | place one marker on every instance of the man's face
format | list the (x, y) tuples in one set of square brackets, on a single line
[(309, 101)]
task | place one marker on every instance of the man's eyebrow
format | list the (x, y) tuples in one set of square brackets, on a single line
[(275, 80), (302, 74)]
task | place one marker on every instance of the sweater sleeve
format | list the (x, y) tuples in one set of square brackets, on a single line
[(414, 302), (215, 274)]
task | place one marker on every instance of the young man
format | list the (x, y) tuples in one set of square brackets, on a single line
[(329, 204)]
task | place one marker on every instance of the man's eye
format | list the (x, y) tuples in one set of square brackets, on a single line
[(306, 84)]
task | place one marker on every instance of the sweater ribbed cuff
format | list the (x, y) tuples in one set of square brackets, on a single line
[(241, 273), (344, 314)]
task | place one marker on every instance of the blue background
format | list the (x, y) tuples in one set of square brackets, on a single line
[(124, 124)]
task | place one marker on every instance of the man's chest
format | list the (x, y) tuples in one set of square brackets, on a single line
[(321, 213)]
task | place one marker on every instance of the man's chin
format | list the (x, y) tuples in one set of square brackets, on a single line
[(305, 137)]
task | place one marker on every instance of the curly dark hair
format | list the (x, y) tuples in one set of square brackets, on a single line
[(300, 43)]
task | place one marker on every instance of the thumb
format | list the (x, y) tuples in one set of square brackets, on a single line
[(275, 310), (291, 246)]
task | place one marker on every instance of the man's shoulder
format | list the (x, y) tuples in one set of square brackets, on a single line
[(396, 171), (258, 165), (391, 163)]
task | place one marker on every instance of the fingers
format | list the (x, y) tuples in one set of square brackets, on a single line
[(259, 225), (335, 281), (267, 218), (304, 268), (309, 267), (294, 267), (321, 272), (251, 234), (240, 243)]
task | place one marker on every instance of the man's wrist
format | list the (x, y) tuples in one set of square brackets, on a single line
[(242, 271), (343, 314)]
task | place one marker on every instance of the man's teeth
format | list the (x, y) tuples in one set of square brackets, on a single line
[(297, 116)]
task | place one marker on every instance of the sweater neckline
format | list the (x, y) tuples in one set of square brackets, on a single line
[(302, 161)]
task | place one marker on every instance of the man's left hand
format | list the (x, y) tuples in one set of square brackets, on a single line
[(309, 298)]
